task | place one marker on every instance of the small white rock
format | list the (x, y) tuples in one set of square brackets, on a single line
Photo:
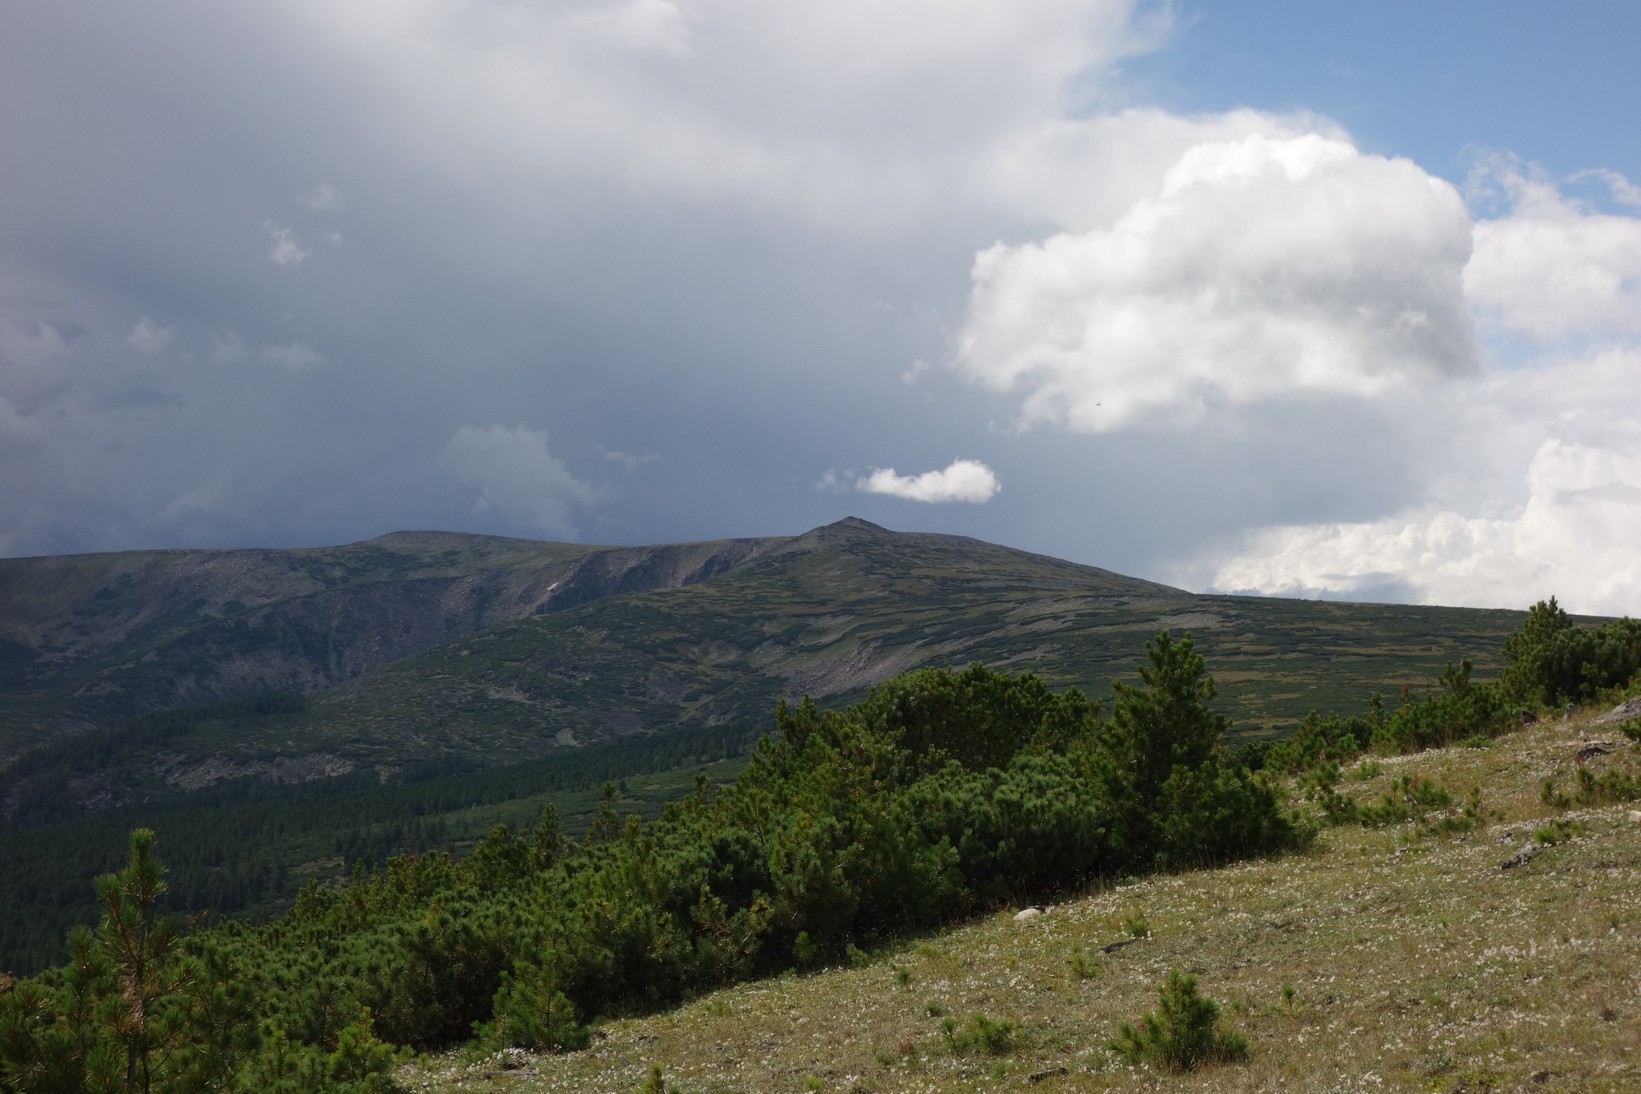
[(1026, 914), (1635, 816)]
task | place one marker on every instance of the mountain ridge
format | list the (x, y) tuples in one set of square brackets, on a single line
[(442, 648), (85, 636)]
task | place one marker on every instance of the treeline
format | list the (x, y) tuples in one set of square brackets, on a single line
[(1549, 661), (233, 848), (36, 786)]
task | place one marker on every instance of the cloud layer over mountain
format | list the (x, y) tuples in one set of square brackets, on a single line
[(642, 270)]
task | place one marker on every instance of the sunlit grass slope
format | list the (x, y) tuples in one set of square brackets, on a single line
[(1380, 959)]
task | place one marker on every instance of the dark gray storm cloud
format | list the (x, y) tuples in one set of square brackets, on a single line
[(644, 270), (264, 266)]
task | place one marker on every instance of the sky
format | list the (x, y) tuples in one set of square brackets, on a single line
[(1326, 300)]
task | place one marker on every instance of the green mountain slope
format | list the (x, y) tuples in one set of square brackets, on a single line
[(840, 608), (434, 648), (89, 640)]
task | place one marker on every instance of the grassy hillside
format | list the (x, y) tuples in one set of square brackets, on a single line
[(1380, 959)]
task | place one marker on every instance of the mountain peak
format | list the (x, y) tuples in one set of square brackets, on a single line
[(853, 524)]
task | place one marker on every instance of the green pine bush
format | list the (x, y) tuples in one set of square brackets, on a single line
[(1552, 660), (1181, 1035), (980, 1035)]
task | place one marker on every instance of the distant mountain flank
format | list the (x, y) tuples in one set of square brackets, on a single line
[(98, 639), (441, 648)]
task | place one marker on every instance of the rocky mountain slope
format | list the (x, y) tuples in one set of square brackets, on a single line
[(99, 639)]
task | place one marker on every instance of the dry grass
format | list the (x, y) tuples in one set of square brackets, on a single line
[(1415, 963)]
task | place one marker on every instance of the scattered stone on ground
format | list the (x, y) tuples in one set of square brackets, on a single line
[(1623, 712), (1591, 749)]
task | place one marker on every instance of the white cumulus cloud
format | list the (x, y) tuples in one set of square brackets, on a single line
[(1548, 504), (520, 482), (1551, 267), (1529, 476), (963, 480), (1577, 538), (1262, 267)]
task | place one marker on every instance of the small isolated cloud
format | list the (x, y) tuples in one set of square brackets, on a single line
[(330, 239), (1261, 268), (834, 482), (964, 480), (627, 461), (285, 247), (295, 356), (323, 199), (521, 484), (148, 336)]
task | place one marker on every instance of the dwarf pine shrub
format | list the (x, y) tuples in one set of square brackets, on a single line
[(1411, 796), (1552, 660), (531, 1012), (1607, 788), (1081, 967), (1610, 786), (1337, 809), (1558, 831), (1460, 710), (980, 1034), (1469, 819), (1549, 795), (1181, 1034)]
